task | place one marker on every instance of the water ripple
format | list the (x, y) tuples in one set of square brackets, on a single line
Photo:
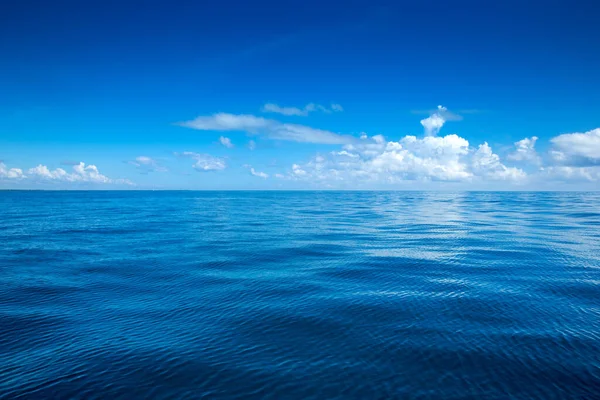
[(308, 295)]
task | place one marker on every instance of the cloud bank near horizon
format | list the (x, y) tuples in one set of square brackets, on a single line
[(349, 161)]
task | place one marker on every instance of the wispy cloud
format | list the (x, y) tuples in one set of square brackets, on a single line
[(274, 108), (269, 128), (456, 115), (254, 172), (204, 162), (259, 174), (337, 107), (69, 162), (251, 145), (147, 164), (225, 141), (307, 109)]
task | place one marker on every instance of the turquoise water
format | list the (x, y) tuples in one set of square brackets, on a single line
[(324, 295)]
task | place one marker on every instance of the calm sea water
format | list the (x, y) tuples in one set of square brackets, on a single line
[(305, 295)]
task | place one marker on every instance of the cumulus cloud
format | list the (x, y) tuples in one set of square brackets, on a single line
[(303, 112), (437, 119), (376, 159), (204, 162), (430, 158), (433, 124), (225, 141), (42, 171), (267, 127), (487, 165), (577, 149), (448, 159), (298, 171), (81, 173), (12, 173), (147, 164), (525, 151)]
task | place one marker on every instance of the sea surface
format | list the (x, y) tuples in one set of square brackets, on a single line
[(299, 295)]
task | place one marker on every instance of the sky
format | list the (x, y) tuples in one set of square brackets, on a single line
[(253, 95)]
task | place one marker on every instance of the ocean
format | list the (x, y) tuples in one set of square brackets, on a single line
[(299, 295)]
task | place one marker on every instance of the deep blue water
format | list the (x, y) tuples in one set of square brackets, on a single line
[(303, 295)]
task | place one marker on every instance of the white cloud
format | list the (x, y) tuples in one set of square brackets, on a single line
[(254, 172), (80, 174), (297, 170), (577, 149), (204, 162), (379, 139), (345, 153), (487, 165), (303, 112), (436, 120), (230, 122), (525, 151), (306, 134), (89, 173), (270, 128), (430, 158), (42, 171), (274, 108), (251, 145), (375, 160), (12, 173), (576, 157), (571, 174), (259, 174), (143, 160), (225, 141), (450, 158), (147, 164), (432, 124)]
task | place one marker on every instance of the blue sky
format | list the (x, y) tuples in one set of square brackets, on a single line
[(311, 95)]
